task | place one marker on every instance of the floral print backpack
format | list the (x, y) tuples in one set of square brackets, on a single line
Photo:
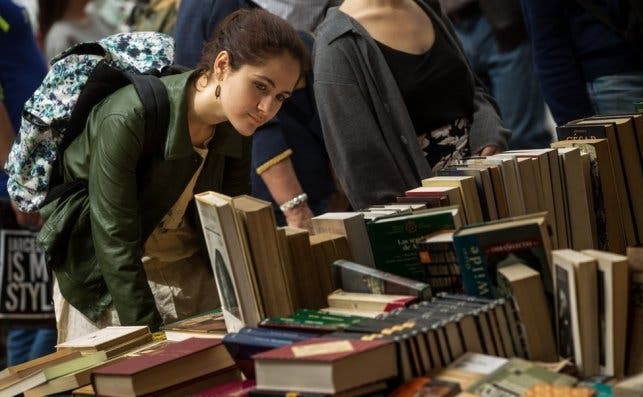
[(78, 79)]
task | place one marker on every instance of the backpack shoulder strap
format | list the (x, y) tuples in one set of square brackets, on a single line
[(156, 106)]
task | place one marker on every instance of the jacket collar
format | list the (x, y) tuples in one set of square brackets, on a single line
[(226, 141)]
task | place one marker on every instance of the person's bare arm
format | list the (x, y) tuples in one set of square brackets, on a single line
[(283, 184)]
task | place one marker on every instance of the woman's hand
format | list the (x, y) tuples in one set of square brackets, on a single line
[(300, 216), (490, 150)]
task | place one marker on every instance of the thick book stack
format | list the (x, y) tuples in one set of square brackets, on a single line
[(71, 366), (616, 175), (431, 335), (262, 270)]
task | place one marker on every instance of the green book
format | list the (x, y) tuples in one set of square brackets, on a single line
[(516, 377), (394, 240), (639, 107), (52, 372)]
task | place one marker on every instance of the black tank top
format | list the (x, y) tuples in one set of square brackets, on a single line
[(434, 85)]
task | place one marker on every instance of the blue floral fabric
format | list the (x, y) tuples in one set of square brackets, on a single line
[(37, 146)]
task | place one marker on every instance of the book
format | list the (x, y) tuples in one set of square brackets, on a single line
[(550, 188), (308, 320), (242, 346), (598, 130), (198, 385), (508, 166), (43, 375), (340, 311), (484, 186), (307, 288), (354, 277), (577, 309), (524, 287), (612, 295), (20, 370), (437, 254), (516, 377), (206, 324), (69, 381), (351, 225), (581, 229), (629, 387), (368, 301), (394, 238), (258, 220), (428, 387), (609, 226), (468, 190), (635, 322), (626, 134), (326, 248), (104, 338), (230, 259), (436, 194), (544, 390), (325, 365), (482, 249), (161, 367), (371, 389)]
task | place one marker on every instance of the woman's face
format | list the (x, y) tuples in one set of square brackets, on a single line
[(252, 95)]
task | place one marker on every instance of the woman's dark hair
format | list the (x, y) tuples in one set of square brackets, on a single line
[(252, 37)]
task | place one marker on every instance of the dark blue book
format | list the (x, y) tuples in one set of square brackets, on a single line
[(293, 336)]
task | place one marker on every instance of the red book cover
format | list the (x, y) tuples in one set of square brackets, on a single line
[(320, 350), (156, 357)]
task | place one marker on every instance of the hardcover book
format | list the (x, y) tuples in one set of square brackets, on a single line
[(394, 240), (162, 367), (324, 365)]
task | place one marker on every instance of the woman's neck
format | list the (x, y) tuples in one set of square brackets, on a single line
[(202, 116)]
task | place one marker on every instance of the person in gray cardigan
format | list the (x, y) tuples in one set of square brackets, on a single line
[(385, 74)]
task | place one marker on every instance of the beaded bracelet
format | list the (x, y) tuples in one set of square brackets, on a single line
[(293, 202)]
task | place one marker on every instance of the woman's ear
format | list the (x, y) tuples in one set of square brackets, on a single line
[(221, 65)]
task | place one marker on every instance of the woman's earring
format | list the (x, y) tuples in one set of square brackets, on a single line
[(217, 91)]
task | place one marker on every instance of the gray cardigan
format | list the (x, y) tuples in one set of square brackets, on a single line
[(368, 132)]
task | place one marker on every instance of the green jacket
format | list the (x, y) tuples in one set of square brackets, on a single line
[(95, 235)]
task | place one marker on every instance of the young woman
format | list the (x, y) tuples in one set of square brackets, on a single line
[(138, 257), (397, 98)]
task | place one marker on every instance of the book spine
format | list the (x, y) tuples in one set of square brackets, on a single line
[(473, 266)]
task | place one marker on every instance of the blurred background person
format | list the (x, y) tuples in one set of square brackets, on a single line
[(494, 38), (585, 67), (22, 69), (397, 98), (63, 23)]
